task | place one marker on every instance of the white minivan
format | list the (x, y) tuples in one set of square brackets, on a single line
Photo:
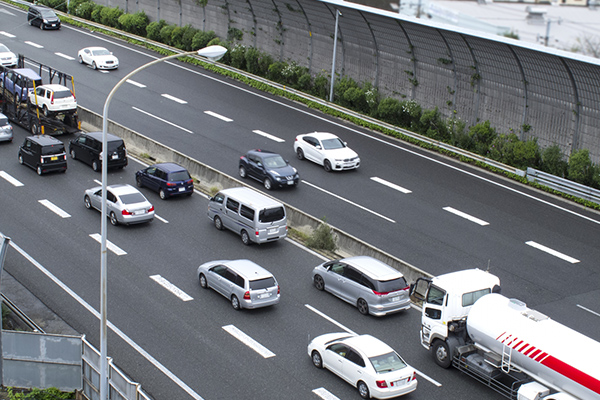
[(254, 216)]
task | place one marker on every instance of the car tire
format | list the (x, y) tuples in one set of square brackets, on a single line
[(113, 219), (363, 390), (21, 159), (300, 154), (245, 237), (73, 156), (235, 303), (319, 282), (39, 170), (242, 172), (96, 165), (94, 66), (441, 354), (162, 194), (327, 165), (87, 202), (42, 25), (218, 223), (45, 110), (316, 358), (30, 22), (363, 306), (35, 129), (268, 184), (203, 281), (80, 59), (138, 181)]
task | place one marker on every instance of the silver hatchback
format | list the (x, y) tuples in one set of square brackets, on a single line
[(245, 283), (372, 286)]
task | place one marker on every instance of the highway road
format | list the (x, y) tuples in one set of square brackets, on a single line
[(449, 217)]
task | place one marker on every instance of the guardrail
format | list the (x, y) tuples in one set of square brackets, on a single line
[(563, 185)]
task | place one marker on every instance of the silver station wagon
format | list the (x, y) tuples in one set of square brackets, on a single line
[(245, 283), (372, 286)]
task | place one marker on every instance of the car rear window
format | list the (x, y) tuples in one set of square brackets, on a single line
[(179, 176), (271, 214), (62, 94), (391, 285), (387, 363), (132, 198), (116, 145), (262, 283), (3, 121), (53, 149)]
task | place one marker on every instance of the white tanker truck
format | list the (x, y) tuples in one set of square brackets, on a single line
[(517, 351)]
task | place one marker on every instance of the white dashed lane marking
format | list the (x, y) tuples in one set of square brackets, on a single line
[(552, 252), (325, 394), (55, 209), (175, 99), (10, 179), (109, 245), (221, 117), (391, 185), (39, 46), (248, 341), (268, 136), (65, 56), (466, 216), (171, 288), (134, 83)]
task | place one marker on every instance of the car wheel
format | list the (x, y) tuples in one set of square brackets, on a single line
[(39, 170), (316, 359), (96, 165), (242, 172), (245, 238), (362, 306), (94, 66), (113, 219), (30, 22), (87, 202), (80, 60), (218, 223), (319, 282), (41, 25), (162, 194), (46, 111), (235, 303), (300, 154), (327, 166), (73, 154), (138, 181), (441, 354), (268, 184), (203, 282), (363, 390), (21, 159)]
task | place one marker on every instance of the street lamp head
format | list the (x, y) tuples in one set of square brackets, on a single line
[(213, 53)]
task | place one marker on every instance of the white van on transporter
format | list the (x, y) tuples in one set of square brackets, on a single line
[(254, 216)]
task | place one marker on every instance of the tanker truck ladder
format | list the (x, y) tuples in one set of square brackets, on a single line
[(506, 357)]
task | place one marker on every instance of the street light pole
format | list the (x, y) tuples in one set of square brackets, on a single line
[(337, 19), (213, 53)]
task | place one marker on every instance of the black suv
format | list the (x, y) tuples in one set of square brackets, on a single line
[(88, 146), (43, 17), (43, 153), (269, 168)]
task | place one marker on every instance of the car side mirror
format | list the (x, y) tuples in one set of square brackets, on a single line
[(345, 144), (318, 147)]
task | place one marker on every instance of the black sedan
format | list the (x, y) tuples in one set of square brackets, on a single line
[(269, 168)]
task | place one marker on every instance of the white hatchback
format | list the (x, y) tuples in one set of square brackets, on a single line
[(53, 99), (327, 150), (98, 58)]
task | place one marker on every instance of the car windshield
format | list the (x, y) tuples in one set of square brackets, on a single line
[(391, 285), (100, 52), (262, 283), (179, 176), (48, 13), (132, 198), (332, 144), (3, 49), (30, 83), (62, 94), (274, 162), (53, 149), (271, 214), (387, 362)]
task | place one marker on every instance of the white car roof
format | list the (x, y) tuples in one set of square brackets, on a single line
[(322, 135), (368, 345), (55, 87), (373, 268), (122, 188), (466, 281)]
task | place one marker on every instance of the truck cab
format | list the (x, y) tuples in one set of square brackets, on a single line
[(446, 301)]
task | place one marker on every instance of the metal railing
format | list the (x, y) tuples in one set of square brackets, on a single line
[(563, 185)]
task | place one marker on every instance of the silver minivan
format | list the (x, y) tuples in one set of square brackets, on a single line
[(372, 286), (245, 283), (254, 216)]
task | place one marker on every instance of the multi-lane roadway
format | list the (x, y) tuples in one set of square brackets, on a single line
[(178, 340)]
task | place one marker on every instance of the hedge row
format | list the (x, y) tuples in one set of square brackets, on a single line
[(363, 98)]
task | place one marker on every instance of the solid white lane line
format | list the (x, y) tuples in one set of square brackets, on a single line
[(10, 35), (350, 202), (55, 209), (466, 216), (268, 136), (161, 219), (134, 83), (552, 252), (221, 117), (588, 310), (325, 394), (162, 120), (248, 341), (390, 184), (98, 182), (10, 179), (171, 288), (65, 56), (314, 253), (109, 245), (110, 325), (328, 318), (175, 99), (39, 46)]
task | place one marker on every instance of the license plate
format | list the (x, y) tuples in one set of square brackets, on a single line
[(115, 156), (273, 230), (399, 383), (181, 189), (290, 182), (139, 212), (53, 158), (264, 295), (393, 299)]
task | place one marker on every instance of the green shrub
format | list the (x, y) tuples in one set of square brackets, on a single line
[(322, 238), (372, 98), (134, 23), (165, 34), (320, 87), (508, 149), (201, 39), (153, 29), (340, 86), (96, 17), (580, 168), (187, 38), (389, 110), (110, 16), (305, 83), (274, 71), (251, 57), (483, 135), (176, 39), (84, 10), (238, 56), (432, 125), (59, 5), (73, 4), (553, 161), (410, 115), (39, 394), (355, 99)]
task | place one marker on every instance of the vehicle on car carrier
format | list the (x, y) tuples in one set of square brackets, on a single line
[(15, 100)]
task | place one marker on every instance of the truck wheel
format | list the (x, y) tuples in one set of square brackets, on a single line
[(35, 129), (441, 354)]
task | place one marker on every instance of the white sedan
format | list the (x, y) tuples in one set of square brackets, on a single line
[(98, 58), (327, 150), (7, 57), (365, 362)]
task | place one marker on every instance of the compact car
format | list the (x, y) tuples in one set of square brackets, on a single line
[(124, 204), (269, 168), (365, 362), (53, 99), (7, 57), (20, 82), (370, 285), (98, 58), (43, 153), (326, 149), (168, 179), (87, 147), (6, 129), (43, 17), (245, 283)]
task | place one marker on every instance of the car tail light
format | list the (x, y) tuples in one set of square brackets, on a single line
[(380, 293), (247, 296), (256, 233), (278, 291), (151, 209), (52, 98), (381, 384), (125, 212), (189, 181), (171, 184), (414, 377)]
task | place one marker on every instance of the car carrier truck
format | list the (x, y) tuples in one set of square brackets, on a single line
[(518, 352)]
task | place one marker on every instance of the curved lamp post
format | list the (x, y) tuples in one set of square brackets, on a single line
[(213, 53)]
